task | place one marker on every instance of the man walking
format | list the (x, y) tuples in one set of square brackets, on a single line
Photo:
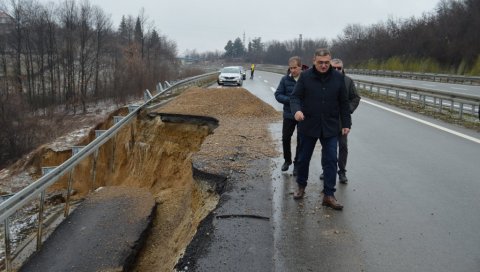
[(353, 101), (283, 93), (320, 104)]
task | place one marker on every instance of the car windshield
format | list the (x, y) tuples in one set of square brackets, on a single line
[(230, 70)]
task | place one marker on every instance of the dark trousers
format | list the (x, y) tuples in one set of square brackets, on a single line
[(288, 128), (342, 153), (329, 161)]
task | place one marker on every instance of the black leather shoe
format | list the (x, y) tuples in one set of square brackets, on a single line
[(342, 178), (331, 201), (285, 166)]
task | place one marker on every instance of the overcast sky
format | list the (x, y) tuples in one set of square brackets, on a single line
[(207, 25)]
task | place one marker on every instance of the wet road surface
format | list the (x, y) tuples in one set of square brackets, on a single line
[(411, 203)]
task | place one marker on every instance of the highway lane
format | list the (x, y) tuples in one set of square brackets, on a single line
[(411, 203), (430, 85)]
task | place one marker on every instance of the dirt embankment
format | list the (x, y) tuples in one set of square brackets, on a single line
[(242, 136), (157, 155)]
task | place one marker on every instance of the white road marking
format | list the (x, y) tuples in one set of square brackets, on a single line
[(265, 81), (273, 89), (425, 122), (456, 88)]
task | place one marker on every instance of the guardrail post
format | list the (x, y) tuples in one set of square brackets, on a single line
[(132, 107), (159, 87), (116, 119), (75, 150), (441, 105), (147, 95), (95, 158), (8, 249), (45, 170), (40, 220), (94, 170), (460, 105)]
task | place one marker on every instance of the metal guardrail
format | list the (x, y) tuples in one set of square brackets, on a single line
[(458, 79), (456, 102), (460, 103), (12, 204)]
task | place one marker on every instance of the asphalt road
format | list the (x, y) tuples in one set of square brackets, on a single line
[(412, 203), (430, 85)]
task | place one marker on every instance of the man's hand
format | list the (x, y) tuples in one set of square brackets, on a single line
[(299, 116), (345, 131)]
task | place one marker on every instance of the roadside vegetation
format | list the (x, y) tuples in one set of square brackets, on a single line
[(58, 59), (444, 40)]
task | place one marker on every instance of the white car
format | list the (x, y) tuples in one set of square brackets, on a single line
[(230, 75)]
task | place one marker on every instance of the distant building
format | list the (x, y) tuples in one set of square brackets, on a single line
[(188, 60), (6, 22)]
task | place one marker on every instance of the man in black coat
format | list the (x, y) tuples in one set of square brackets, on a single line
[(320, 105), (283, 93), (353, 101)]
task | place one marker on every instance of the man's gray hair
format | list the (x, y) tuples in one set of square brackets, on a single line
[(321, 52), (297, 59), (337, 62)]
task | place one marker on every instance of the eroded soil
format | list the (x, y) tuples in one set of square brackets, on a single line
[(157, 155)]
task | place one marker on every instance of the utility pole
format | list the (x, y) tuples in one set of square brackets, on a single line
[(300, 42), (244, 45)]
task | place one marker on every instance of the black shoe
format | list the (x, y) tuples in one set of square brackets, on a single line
[(321, 176), (342, 178), (286, 165), (295, 170)]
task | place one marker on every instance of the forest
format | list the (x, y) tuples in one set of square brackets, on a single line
[(445, 40), (57, 58)]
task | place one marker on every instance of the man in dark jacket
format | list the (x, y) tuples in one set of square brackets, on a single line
[(320, 105), (283, 93), (353, 101)]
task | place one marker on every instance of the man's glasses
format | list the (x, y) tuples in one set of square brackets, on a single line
[(337, 68)]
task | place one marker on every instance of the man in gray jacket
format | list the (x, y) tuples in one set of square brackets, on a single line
[(353, 101)]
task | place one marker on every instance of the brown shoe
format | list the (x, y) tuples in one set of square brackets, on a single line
[(300, 193), (331, 202)]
